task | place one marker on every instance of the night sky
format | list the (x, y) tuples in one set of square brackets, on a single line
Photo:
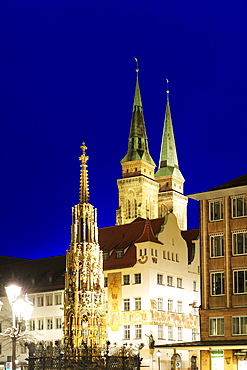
[(68, 76)]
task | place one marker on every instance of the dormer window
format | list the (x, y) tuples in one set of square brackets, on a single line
[(119, 254), (105, 256), (49, 279)]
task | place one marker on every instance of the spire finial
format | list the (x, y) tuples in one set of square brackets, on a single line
[(84, 193), (137, 69), (167, 88)]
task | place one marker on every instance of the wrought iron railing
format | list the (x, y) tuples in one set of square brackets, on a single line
[(58, 357)]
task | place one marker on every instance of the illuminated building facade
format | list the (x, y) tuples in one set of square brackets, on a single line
[(223, 315)]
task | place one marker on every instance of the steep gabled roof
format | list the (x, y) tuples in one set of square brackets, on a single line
[(239, 181)]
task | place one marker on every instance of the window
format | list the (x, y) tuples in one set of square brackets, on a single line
[(239, 242), (143, 252), (239, 206), (1, 327), (239, 325), (32, 299), (216, 326), (58, 299), (215, 210), (156, 253), (170, 304), (240, 281), (216, 246), (49, 279), (126, 304), (138, 279), (169, 280), (164, 255), (179, 283), (170, 332), (105, 255), (194, 334), (58, 323), (180, 333), (138, 303), (40, 300), (194, 286), (177, 257), (126, 331), (138, 331), (126, 279), (217, 283), (105, 281), (32, 324), (49, 300), (160, 331), (160, 303), (49, 323), (119, 254), (152, 252), (159, 279), (40, 324), (180, 306)]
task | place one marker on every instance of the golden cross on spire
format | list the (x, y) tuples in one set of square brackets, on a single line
[(137, 69), (167, 88)]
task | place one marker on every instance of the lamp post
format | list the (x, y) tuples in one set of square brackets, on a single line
[(21, 311), (158, 354)]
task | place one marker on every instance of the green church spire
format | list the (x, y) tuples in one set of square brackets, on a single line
[(168, 163), (138, 141)]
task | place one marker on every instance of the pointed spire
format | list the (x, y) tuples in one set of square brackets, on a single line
[(138, 141), (84, 191), (168, 163)]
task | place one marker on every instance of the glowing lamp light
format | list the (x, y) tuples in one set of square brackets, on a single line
[(158, 353), (13, 292)]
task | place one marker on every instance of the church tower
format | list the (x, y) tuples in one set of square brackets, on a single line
[(84, 316), (169, 176), (137, 190)]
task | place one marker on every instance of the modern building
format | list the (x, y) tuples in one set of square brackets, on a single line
[(223, 314)]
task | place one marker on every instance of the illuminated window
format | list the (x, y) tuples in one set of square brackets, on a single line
[(49, 323), (126, 331), (105, 256), (160, 331), (138, 303), (49, 299), (126, 279), (180, 306), (180, 333), (138, 278), (58, 299), (239, 206), (195, 334), (216, 326), (170, 332), (239, 242), (217, 283), (40, 324), (194, 286), (58, 323), (170, 305), (160, 303), (40, 300), (126, 304), (159, 279), (179, 283), (239, 325), (32, 324), (169, 280), (138, 331), (216, 246), (215, 210), (240, 281)]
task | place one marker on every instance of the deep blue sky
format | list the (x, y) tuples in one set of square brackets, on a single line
[(68, 75)]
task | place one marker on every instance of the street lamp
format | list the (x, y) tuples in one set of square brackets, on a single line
[(158, 354), (21, 311)]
